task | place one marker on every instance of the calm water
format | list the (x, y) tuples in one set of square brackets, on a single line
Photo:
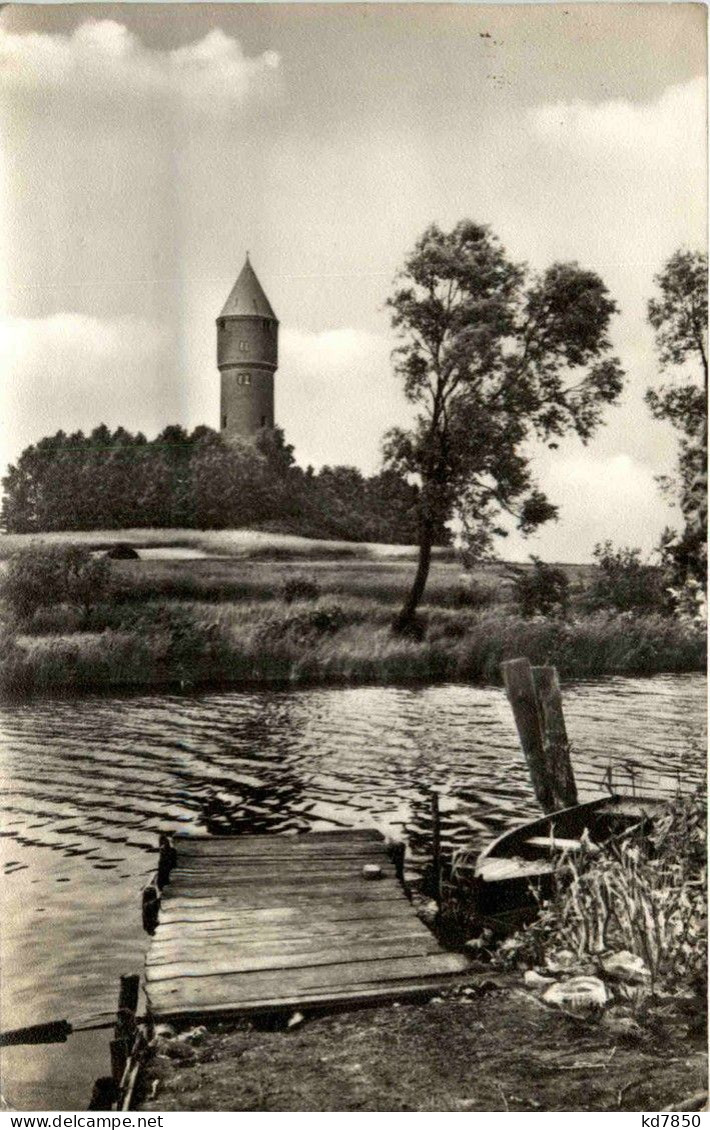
[(88, 784)]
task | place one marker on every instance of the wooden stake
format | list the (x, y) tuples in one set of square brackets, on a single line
[(166, 860), (534, 694), (128, 992), (436, 845), (397, 856), (151, 904), (119, 1054), (554, 736), (127, 1004), (104, 1094), (520, 688)]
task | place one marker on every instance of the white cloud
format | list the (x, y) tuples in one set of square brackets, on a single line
[(671, 127), (71, 371), (336, 394), (102, 61), (615, 498)]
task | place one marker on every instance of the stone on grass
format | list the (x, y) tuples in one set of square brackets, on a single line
[(561, 961), (193, 1035), (579, 994), (624, 1026), (535, 980), (626, 966)]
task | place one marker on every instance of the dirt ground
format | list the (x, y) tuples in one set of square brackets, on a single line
[(490, 1048)]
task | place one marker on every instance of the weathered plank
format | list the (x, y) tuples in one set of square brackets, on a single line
[(259, 918), (265, 984), (286, 877), (494, 869), (285, 896), (283, 932), (253, 923), (235, 961), (415, 989)]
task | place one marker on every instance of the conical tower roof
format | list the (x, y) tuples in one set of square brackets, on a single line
[(247, 296)]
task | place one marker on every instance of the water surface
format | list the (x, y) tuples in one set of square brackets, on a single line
[(88, 784)]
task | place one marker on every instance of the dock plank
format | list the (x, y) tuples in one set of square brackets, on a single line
[(264, 984), (267, 923), (211, 964)]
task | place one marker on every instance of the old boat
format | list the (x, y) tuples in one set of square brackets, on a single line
[(509, 877)]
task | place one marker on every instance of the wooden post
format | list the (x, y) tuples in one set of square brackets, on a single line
[(104, 1094), (119, 1055), (166, 860), (128, 992), (534, 694), (436, 845), (397, 857), (554, 736), (520, 688), (127, 1004), (151, 904)]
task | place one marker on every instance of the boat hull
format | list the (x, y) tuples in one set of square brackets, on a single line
[(518, 870)]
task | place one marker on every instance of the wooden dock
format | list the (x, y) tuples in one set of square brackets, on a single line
[(262, 924)]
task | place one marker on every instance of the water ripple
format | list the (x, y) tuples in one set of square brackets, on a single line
[(89, 783)]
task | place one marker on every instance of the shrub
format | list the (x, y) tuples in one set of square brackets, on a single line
[(42, 576), (122, 551), (541, 591), (327, 619), (624, 582), (469, 594), (299, 588)]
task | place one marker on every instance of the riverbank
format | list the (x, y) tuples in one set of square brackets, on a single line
[(599, 1004), (267, 643), (493, 1047), (267, 616)]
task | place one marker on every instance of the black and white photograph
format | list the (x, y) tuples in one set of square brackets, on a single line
[(353, 559)]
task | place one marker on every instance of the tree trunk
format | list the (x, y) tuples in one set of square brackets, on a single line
[(405, 622)]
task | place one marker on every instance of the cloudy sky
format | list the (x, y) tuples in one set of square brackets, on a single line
[(146, 148)]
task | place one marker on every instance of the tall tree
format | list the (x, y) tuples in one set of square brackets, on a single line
[(679, 317), (491, 356)]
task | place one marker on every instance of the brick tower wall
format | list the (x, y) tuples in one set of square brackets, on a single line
[(247, 357)]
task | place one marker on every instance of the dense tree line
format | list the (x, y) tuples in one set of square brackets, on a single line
[(115, 480)]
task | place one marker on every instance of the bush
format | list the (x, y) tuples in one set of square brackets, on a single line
[(122, 551), (469, 594), (327, 619), (299, 588), (541, 591), (625, 582), (645, 895), (42, 576)]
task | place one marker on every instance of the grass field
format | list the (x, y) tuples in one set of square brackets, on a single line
[(225, 619), (218, 543)]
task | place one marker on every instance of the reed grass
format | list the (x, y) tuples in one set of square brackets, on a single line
[(646, 895), (346, 640)]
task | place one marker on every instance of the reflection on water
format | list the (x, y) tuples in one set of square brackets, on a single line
[(88, 783)]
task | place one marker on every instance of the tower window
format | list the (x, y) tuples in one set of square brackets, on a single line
[(224, 421)]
